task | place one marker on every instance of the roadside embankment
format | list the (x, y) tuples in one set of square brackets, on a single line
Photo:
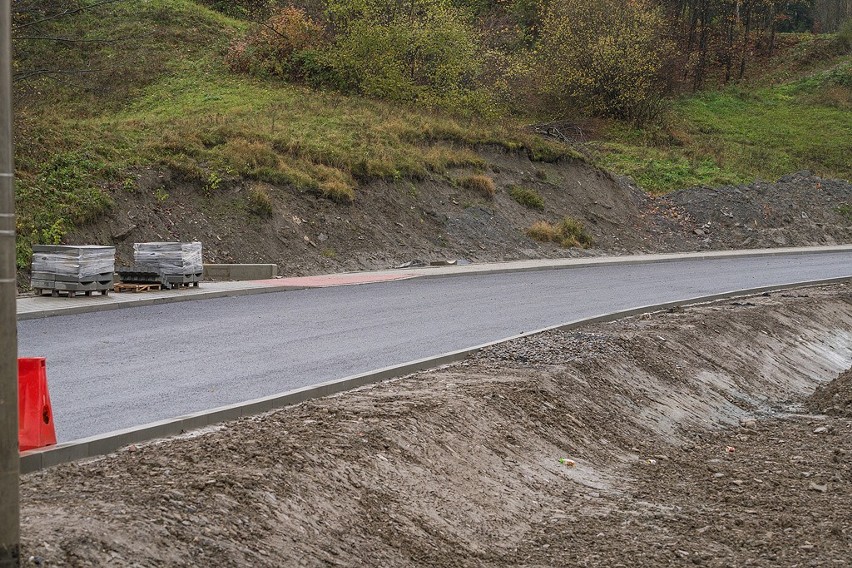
[(681, 437)]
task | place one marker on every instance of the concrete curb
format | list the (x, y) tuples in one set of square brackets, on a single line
[(36, 460), (444, 272), (156, 301)]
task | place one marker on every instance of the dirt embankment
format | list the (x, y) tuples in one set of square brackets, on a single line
[(678, 438), (391, 223)]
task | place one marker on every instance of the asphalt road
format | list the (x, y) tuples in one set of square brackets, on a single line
[(117, 369)]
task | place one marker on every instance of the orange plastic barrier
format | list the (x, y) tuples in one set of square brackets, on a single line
[(35, 415)]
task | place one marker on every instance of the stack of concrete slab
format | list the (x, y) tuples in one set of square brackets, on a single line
[(177, 263), (73, 269)]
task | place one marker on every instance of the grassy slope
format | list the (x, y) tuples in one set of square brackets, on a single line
[(739, 134), (163, 98)]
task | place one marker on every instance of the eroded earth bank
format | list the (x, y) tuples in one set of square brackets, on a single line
[(713, 435)]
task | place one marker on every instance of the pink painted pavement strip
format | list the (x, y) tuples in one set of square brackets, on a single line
[(325, 281)]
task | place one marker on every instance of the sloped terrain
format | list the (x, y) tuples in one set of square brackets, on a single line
[(152, 137), (391, 223), (677, 438)]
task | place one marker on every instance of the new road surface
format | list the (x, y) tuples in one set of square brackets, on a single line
[(117, 369)]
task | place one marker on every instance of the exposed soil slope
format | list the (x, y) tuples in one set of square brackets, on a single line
[(670, 439), (435, 219)]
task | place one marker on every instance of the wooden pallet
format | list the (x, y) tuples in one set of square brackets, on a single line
[(69, 293), (123, 287), (178, 285)]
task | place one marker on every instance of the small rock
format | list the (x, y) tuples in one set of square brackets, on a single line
[(821, 488), (699, 232), (820, 430)]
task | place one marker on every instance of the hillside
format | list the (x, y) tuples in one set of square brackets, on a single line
[(143, 133)]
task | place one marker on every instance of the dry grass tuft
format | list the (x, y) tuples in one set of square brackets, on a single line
[(568, 233), (481, 184)]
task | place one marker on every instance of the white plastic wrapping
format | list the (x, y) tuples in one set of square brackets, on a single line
[(169, 258), (85, 262)]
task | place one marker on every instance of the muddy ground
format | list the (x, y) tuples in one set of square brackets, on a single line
[(689, 437)]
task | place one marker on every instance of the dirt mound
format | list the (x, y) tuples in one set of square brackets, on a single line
[(799, 210), (596, 447), (834, 398)]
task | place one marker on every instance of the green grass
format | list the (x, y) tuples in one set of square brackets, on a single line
[(527, 197), (737, 135), (164, 98)]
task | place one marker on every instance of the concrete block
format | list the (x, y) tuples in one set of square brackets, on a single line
[(239, 272)]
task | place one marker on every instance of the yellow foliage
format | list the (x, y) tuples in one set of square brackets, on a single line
[(603, 57)]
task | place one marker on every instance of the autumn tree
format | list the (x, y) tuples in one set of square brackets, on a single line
[(423, 50), (602, 58)]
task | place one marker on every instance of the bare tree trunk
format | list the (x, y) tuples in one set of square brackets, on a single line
[(702, 47), (729, 50), (773, 26), (746, 38)]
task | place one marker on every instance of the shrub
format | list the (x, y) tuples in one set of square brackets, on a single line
[(568, 233), (278, 46), (423, 51), (603, 57), (481, 184), (527, 197)]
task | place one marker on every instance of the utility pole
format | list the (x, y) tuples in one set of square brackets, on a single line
[(9, 462)]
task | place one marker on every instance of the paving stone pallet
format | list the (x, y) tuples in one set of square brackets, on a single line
[(55, 287), (52, 277), (150, 275)]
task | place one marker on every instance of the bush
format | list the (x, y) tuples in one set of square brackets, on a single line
[(604, 58), (482, 185), (568, 233), (278, 47), (426, 51), (527, 197)]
